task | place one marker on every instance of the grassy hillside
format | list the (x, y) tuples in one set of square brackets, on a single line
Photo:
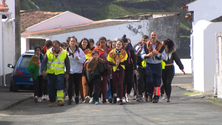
[(27, 5), (105, 9), (108, 9)]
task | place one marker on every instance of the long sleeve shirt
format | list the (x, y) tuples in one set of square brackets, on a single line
[(155, 59), (76, 66), (171, 57)]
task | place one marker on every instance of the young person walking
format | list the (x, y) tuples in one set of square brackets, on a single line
[(85, 87), (119, 57), (130, 69), (168, 72), (48, 45), (141, 75), (103, 50), (95, 68), (34, 68), (76, 58)]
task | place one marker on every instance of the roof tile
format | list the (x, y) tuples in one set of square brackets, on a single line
[(30, 18)]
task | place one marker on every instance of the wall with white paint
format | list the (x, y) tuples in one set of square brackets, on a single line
[(8, 48), (205, 9), (11, 5), (167, 27), (204, 54)]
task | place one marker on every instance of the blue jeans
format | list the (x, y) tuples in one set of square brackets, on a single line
[(109, 94), (153, 77), (55, 82)]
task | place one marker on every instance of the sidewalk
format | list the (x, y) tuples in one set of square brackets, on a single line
[(185, 82), (9, 99)]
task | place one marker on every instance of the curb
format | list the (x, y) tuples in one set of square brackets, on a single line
[(12, 104), (189, 90), (203, 95)]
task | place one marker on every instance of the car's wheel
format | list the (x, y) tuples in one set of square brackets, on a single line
[(15, 87), (10, 89)]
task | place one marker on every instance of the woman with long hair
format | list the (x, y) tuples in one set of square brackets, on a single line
[(84, 86), (77, 58), (118, 56), (130, 68), (103, 53), (168, 72), (34, 68)]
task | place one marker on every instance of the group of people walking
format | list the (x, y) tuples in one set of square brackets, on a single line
[(108, 71)]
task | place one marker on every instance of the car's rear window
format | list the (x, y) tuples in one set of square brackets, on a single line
[(25, 61)]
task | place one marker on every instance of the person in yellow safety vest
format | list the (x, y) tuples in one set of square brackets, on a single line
[(56, 60), (153, 51)]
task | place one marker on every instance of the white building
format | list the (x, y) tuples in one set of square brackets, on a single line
[(206, 45), (38, 26), (7, 42), (62, 25)]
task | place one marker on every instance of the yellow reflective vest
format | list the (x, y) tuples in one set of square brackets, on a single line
[(56, 65), (163, 64)]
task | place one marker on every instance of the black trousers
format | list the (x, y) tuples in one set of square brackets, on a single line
[(128, 80), (141, 76), (45, 86), (74, 79), (135, 85), (90, 90), (167, 77), (96, 86), (38, 86)]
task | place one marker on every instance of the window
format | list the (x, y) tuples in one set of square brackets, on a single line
[(36, 42), (25, 61)]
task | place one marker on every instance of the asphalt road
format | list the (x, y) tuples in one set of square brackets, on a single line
[(182, 110)]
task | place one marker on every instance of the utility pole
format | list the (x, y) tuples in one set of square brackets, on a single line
[(17, 30)]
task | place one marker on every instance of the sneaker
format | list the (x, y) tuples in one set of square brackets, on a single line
[(82, 100), (87, 99), (110, 100), (117, 100), (40, 99), (104, 101), (114, 100), (44, 97), (36, 99), (51, 104), (97, 102), (77, 100), (61, 103), (139, 99), (149, 99), (144, 95), (120, 102), (127, 99), (91, 100), (168, 100), (163, 96), (73, 99), (135, 97), (100, 100), (124, 101), (70, 102), (155, 100)]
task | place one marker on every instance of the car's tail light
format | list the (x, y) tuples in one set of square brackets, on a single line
[(20, 72)]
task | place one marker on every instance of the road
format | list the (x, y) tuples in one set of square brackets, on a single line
[(182, 110)]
